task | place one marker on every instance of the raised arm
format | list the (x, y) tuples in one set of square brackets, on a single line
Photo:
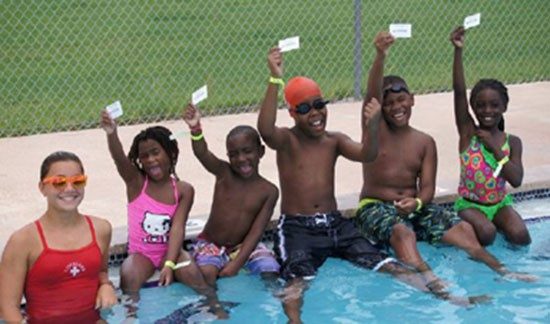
[(254, 234), (13, 269), (367, 150), (192, 118), (382, 43), (464, 122), (177, 230), (129, 173), (273, 136)]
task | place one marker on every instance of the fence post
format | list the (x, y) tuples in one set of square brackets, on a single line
[(357, 51)]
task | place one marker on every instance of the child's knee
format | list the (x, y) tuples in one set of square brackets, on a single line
[(402, 234), (486, 234), (519, 236)]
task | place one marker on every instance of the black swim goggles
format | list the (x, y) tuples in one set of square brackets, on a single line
[(395, 88), (305, 107)]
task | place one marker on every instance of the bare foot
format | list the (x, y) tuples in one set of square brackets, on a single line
[(469, 301), (521, 276)]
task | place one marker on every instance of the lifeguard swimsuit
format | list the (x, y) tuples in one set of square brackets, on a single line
[(478, 188), (61, 286), (149, 223)]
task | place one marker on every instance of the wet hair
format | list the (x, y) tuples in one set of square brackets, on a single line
[(161, 135), (245, 129), (58, 157), (494, 85)]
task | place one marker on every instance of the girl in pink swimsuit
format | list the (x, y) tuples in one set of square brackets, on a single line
[(489, 157), (158, 207)]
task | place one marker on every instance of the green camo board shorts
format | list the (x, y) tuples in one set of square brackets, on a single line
[(376, 219)]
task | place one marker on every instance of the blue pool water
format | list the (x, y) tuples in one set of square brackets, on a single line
[(342, 293)]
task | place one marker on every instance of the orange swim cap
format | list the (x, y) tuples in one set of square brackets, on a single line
[(298, 89)]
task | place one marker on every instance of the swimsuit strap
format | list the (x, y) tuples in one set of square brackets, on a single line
[(41, 234), (176, 193), (145, 185), (92, 229), (506, 145)]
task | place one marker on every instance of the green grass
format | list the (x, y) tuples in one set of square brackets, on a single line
[(63, 60)]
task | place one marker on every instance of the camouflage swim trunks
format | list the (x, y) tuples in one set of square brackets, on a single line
[(376, 219)]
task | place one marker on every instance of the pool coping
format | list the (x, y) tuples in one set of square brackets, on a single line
[(531, 191)]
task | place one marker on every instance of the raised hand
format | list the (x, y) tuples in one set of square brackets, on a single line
[(275, 62), (458, 36), (371, 111), (191, 116), (107, 123), (383, 41)]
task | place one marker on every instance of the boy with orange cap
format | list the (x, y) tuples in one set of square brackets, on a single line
[(311, 228)]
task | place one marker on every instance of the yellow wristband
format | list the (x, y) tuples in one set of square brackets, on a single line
[(197, 138), (170, 264), (500, 164), (278, 81), (504, 160), (418, 204)]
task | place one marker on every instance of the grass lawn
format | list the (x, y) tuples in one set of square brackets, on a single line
[(63, 60)]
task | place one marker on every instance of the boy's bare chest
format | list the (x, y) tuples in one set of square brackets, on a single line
[(399, 155), (239, 198)]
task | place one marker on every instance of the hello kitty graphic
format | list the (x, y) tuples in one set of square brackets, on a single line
[(157, 227)]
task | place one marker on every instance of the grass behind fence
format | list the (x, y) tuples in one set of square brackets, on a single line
[(62, 61)]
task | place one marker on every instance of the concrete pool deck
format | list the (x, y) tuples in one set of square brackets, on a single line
[(21, 201)]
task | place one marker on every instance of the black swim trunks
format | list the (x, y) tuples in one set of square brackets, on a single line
[(303, 243)]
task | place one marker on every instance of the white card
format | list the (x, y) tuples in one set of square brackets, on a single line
[(199, 95), (289, 44), (472, 21), (114, 109), (401, 30)]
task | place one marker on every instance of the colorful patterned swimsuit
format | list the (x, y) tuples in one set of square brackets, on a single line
[(478, 188)]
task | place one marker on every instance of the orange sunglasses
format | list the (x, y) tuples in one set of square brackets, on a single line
[(60, 182)]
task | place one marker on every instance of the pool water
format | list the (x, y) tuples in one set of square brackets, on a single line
[(342, 293)]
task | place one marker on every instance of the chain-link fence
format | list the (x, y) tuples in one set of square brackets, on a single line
[(61, 61)]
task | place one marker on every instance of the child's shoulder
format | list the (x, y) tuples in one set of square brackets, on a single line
[(513, 140), (185, 187), (265, 187), (421, 136)]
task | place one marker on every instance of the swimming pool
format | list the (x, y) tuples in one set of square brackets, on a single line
[(342, 293)]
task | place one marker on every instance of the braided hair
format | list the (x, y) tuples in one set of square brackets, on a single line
[(161, 135), (494, 85)]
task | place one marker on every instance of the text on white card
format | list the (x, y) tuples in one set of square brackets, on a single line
[(472, 21), (401, 30), (114, 109), (199, 95), (289, 44)]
